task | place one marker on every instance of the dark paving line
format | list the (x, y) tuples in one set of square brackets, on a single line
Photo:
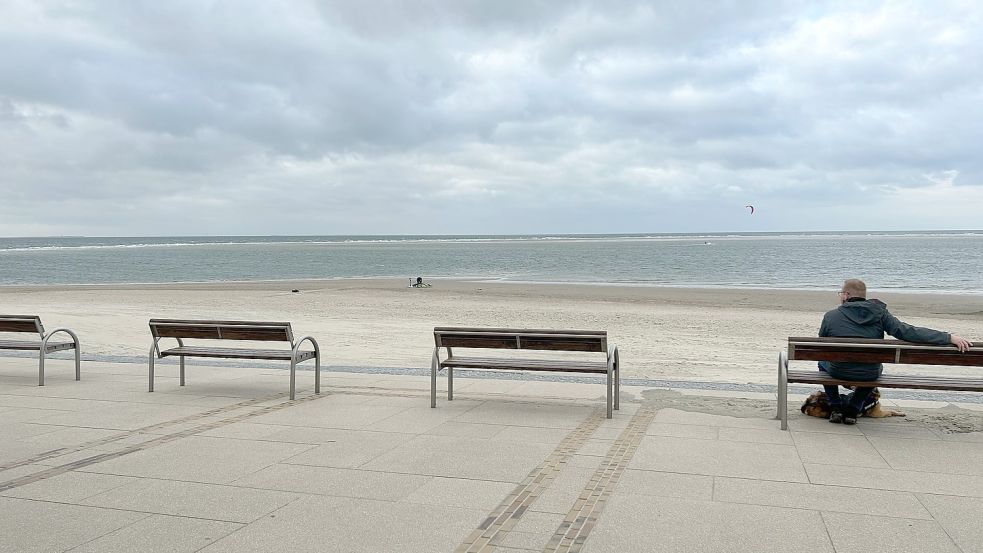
[(501, 520), (116, 437), (577, 525), (61, 469)]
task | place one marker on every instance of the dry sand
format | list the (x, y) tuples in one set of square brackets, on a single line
[(663, 333)]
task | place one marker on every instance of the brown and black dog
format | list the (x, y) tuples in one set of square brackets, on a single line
[(817, 405)]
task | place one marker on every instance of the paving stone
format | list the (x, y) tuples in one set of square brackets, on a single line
[(832, 449), (348, 449), (191, 499), (462, 493), (677, 416), (533, 434), (463, 458), (960, 517), (682, 430), (819, 497), (654, 524), (322, 523), (899, 480), (719, 458), (755, 435), (853, 533), (69, 487), (28, 526), (666, 484), (954, 458), (526, 414), (465, 429), (199, 459), (161, 533), (334, 481)]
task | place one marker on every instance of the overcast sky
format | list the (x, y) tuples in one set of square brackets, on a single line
[(500, 116)]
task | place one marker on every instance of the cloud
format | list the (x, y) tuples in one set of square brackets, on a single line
[(130, 117)]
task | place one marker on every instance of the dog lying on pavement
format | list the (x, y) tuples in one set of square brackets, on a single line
[(817, 405)]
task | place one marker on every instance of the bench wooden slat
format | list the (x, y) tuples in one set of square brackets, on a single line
[(535, 339), (222, 330), (21, 323), (35, 346), (551, 365), (235, 353), (892, 381), (461, 329)]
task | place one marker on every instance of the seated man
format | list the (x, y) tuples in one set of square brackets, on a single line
[(858, 317)]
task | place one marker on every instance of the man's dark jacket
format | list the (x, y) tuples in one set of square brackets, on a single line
[(861, 318)]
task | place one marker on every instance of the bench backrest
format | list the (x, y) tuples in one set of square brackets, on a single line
[(511, 338), (861, 350), (21, 323), (222, 330)]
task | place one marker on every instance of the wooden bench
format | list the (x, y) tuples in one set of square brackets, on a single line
[(32, 324), (233, 330), (588, 341), (859, 350)]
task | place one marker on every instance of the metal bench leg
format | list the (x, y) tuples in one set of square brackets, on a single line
[(182, 370), (78, 361), (433, 379), (293, 377), (610, 384), (41, 367), (152, 348), (783, 389), (317, 372), (450, 383), (617, 381)]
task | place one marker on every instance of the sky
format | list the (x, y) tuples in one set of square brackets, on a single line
[(243, 117)]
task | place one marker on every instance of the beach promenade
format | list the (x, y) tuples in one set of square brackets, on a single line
[(228, 463)]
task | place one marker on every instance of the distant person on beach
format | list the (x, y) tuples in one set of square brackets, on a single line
[(858, 317), (419, 283)]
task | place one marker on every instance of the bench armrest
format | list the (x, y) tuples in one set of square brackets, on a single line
[(46, 337), (296, 348)]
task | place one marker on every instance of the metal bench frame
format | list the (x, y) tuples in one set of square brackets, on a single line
[(861, 350), (528, 339), (32, 324), (233, 330)]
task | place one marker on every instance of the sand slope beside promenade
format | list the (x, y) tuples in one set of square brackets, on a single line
[(683, 334)]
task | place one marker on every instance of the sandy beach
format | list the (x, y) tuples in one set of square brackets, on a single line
[(720, 335)]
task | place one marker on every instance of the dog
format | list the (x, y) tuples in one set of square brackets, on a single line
[(817, 405)]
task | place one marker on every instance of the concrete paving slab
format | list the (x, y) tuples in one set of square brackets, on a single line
[(870, 534), (959, 517), (161, 533), (348, 449), (675, 430), (898, 480), (321, 523), (526, 414), (463, 458), (534, 434), (466, 429), (831, 449), (666, 484), (719, 458), (199, 459), (335, 481), (654, 524), (814, 424), (462, 493), (29, 526), (755, 435), (705, 419), (122, 416), (418, 420), (329, 412), (954, 458), (69, 487), (819, 497), (192, 499)]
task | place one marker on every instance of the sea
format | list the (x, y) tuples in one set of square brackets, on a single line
[(936, 261)]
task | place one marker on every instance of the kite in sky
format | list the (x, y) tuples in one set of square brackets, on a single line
[(752, 209)]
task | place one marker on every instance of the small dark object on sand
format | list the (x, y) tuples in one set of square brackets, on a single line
[(295, 290)]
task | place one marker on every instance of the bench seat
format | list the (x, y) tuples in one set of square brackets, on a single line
[(920, 382), (35, 346), (552, 365), (237, 353)]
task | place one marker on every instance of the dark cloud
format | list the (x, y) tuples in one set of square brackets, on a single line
[(474, 116)]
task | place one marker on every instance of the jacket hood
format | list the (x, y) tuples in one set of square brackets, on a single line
[(863, 312)]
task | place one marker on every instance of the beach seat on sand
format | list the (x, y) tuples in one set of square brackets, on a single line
[(860, 350), (253, 331), (31, 324), (585, 341)]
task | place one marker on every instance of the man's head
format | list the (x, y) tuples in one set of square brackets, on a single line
[(853, 288)]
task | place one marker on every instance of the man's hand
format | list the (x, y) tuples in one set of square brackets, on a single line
[(961, 343)]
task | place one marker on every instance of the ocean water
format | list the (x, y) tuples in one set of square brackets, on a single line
[(908, 261)]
